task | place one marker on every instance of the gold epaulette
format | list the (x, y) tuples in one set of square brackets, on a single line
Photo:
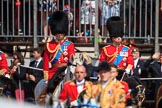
[(105, 51), (113, 56), (52, 50)]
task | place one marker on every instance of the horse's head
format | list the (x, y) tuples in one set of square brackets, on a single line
[(85, 58), (80, 59), (74, 61)]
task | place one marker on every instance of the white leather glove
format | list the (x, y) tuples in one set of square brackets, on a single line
[(62, 104), (127, 71), (85, 101), (74, 103), (93, 102)]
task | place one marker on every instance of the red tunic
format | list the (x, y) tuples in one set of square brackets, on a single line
[(70, 90), (126, 89), (109, 53), (50, 55), (3, 63)]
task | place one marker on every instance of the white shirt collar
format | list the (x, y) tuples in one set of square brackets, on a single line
[(39, 59), (80, 83), (135, 62)]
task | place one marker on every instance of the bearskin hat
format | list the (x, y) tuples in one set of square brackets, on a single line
[(59, 23), (115, 26), (104, 66)]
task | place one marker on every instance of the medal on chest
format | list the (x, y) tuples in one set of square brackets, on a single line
[(65, 51), (124, 53), (66, 59)]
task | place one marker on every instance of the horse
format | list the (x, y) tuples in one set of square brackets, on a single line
[(53, 86), (137, 91), (92, 74), (50, 91)]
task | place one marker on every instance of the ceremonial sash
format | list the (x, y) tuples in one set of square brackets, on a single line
[(59, 53), (119, 57)]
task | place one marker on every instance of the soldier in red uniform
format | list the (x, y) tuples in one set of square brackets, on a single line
[(3, 64), (58, 51), (117, 53), (73, 88)]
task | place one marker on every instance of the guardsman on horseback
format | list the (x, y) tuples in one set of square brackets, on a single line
[(3, 64), (73, 88), (58, 51), (116, 53)]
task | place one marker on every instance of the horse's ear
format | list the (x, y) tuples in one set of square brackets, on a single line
[(81, 57), (71, 58)]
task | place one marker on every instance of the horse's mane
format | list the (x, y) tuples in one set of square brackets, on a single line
[(56, 79)]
